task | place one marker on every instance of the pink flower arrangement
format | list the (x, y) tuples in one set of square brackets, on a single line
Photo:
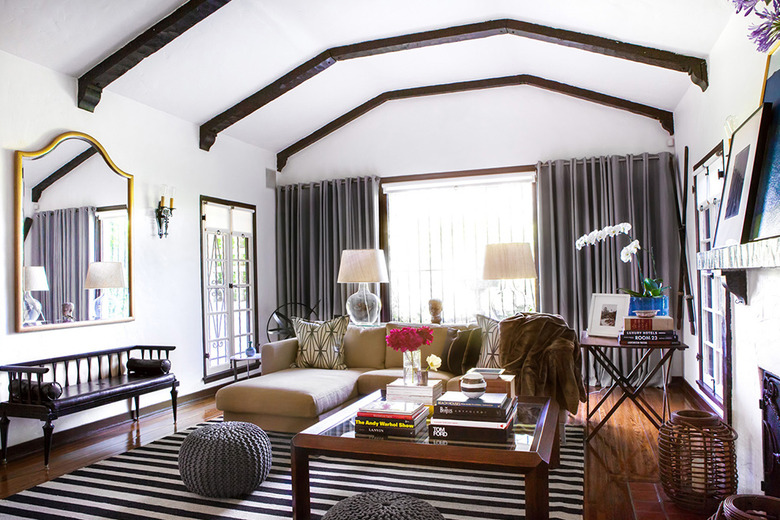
[(409, 339)]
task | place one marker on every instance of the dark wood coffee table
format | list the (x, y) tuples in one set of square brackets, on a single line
[(535, 450)]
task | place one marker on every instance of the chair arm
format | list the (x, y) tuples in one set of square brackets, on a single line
[(278, 355)]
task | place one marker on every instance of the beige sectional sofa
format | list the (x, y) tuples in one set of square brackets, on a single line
[(292, 399)]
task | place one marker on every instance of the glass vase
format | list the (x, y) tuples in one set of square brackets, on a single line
[(412, 367), (642, 303)]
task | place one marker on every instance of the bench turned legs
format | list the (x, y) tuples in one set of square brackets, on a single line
[(4, 436), (48, 428), (174, 394), (137, 401)]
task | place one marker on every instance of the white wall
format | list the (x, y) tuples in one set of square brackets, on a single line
[(736, 79), (470, 130), (38, 104)]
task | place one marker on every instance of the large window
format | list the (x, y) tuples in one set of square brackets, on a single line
[(437, 233), (714, 301), (229, 312)]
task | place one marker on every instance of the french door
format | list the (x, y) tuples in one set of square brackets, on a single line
[(229, 312)]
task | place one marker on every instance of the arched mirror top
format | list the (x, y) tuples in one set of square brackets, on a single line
[(73, 216)]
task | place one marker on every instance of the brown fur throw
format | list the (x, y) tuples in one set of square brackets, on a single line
[(544, 355)]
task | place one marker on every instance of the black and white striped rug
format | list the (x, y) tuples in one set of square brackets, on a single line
[(144, 483)]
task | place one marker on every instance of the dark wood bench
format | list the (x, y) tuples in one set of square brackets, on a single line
[(87, 380)]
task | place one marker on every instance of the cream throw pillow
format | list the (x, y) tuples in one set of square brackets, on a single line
[(320, 343), (488, 356)]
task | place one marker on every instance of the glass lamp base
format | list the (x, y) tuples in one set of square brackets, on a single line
[(363, 307)]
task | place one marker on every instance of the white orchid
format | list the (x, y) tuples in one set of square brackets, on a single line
[(630, 250), (434, 362), (650, 286)]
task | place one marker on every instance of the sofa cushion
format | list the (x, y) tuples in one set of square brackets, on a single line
[(320, 343), (394, 358), (452, 357), (364, 347), (472, 352), (374, 380), (294, 392), (488, 357)]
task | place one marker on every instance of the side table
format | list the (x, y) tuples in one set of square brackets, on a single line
[(598, 346), (248, 360)]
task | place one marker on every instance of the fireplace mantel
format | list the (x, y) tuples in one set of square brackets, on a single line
[(735, 260), (753, 255)]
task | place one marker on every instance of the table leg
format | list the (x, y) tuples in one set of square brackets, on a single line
[(537, 494), (248, 363), (233, 363), (299, 472)]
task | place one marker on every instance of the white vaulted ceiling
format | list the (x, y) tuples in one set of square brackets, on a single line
[(248, 44)]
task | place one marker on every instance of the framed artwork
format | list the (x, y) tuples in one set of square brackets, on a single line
[(606, 314), (765, 219), (746, 155)]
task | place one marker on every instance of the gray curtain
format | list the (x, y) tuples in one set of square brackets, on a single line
[(315, 222), (579, 195), (61, 241)]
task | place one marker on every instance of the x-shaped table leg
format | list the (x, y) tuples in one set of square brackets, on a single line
[(629, 391)]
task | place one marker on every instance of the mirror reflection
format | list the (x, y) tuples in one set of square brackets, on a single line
[(75, 235)]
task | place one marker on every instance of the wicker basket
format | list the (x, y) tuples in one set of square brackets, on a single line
[(748, 507), (697, 460)]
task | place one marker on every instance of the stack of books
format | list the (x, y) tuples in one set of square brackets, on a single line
[(486, 419), (391, 419), (657, 330), (426, 394)]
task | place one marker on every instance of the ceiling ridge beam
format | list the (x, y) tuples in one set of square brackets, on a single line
[(696, 68), (92, 83), (664, 117)]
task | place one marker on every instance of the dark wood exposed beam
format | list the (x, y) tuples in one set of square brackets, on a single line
[(38, 189), (664, 117), (92, 83), (695, 67)]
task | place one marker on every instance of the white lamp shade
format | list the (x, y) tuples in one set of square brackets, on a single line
[(363, 265), (35, 278), (510, 261), (105, 275)]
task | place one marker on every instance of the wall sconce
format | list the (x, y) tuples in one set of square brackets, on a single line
[(163, 213)]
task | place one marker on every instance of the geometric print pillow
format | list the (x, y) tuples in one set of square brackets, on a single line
[(319, 343), (488, 356)]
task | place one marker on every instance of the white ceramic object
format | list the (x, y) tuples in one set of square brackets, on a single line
[(473, 385)]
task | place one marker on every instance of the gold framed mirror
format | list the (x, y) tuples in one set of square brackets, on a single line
[(72, 236)]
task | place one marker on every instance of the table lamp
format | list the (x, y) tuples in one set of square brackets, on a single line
[(34, 280), (363, 266), (509, 261), (104, 275)]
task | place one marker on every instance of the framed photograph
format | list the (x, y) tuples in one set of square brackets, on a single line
[(766, 213), (606, 314), (746, 155)]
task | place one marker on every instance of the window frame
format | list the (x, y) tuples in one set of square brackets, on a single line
[(715, 159), (208, 378), (385, 289)]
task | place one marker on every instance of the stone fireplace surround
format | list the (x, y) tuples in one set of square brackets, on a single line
[(754, 268)]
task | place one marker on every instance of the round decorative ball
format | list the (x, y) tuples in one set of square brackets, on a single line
[(382, 505), (473, 385), (228, 459)]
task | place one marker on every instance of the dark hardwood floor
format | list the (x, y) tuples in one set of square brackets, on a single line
[(624, 451)]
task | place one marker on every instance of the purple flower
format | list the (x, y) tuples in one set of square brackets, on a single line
[(747, 5), (767, 32)]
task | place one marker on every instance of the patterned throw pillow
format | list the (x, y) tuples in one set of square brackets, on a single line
[(488, 357), (320, 343)]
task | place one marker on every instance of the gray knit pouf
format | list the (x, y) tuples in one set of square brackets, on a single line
[(382, 505), (228, 459)]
